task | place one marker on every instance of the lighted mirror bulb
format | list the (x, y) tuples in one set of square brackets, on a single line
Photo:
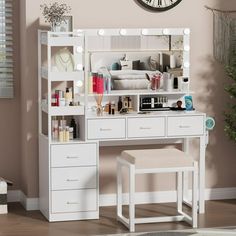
[(79, 49), (79, 67), (79, 32), (144, 31), (166, 31), (186, 64), (186, 48), (187, 31), (101, 32), (79, 83), (123, 32)]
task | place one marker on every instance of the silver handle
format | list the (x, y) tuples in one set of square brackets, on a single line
[(72, 157), (184, 126), (108, 129), (145, 128), (72, 180), (72, 203)]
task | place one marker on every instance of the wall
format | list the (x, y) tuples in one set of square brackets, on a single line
[(10, 118), (207, 78)]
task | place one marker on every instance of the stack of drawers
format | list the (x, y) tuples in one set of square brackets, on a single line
[(74, 178)]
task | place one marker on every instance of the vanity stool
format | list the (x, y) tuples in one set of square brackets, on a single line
[(150, 161)]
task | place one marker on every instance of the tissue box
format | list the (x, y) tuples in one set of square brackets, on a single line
[(3, 196)]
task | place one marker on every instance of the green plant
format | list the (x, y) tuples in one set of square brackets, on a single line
[(230, 115), (55, 13)]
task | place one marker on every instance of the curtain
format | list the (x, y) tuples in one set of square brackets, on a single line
[(6, 49)]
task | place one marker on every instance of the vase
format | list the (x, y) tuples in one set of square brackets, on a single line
[(55, 27)]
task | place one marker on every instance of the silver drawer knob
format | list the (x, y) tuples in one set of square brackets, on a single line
[(184, 126), (72, 203), (101, 129), (72, 157), (72, 180)]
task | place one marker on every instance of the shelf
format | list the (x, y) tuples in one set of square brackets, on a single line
[(63, 111), (74, 141), (62, 76), (61, 39), (142, 92)]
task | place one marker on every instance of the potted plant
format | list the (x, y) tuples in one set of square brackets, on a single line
[(55, 13)]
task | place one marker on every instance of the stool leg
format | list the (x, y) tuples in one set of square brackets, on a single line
[(179, 190), (131, 198), (195, 196), (119, 189)]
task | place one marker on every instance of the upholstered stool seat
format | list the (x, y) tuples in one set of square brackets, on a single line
[(156, 161)]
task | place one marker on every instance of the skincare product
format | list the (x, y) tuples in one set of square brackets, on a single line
[(188, 103), (172, 62), (185, 84), (55, 128), (73, 125), (71, 133), (61, 134), (67, 134), (119, 103)]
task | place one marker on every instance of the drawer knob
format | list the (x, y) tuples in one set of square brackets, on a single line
[(101, 129), (72, 157), (72, 203), (184, 126), (145, 128), (72, 180)]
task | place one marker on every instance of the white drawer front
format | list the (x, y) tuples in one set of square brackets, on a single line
[(73, 155), (106, 129), (146, 127), (181, 126), (74, 178), (74, 200)]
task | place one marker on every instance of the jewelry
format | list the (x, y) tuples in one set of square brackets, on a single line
[(64, 60)]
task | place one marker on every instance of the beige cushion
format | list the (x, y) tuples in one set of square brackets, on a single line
[(157, 158)]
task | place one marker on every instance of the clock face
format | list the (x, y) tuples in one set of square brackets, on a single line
[(159, 5)]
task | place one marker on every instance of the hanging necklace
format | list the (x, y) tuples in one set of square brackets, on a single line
[(64, 59)]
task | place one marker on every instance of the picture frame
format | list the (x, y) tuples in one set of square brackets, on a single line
[(67, 25)]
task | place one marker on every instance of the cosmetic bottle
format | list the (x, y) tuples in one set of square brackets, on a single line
[(73, 125), (119, 105), (109, 108), (94, 75), (54, 128), (71, 133), (61, 134), (67, 134), (67, 97), (185, 84)]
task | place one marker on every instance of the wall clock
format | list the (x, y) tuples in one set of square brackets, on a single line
[(159, 5)]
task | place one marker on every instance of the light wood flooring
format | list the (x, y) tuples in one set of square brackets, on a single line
[(19, 222)]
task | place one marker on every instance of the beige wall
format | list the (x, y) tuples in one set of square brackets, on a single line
[(207, 79)]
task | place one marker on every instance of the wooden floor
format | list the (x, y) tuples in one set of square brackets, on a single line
[(19, 222)]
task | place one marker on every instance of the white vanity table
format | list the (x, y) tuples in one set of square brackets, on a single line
[(69, 171)]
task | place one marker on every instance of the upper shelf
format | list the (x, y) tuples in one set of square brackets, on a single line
[(61, 38), (143, 92), (61, 76)]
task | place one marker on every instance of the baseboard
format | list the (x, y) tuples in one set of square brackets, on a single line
[(140, 198)]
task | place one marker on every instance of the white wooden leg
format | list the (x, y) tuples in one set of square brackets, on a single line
[(179, 191), (131, 198), (185, 149), (202, 175), (119, 189), (194, 195)]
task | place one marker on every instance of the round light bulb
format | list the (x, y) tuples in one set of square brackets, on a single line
[(166, 31), (101, 32), (79, 83), (79, 49), (144, 31), (187, 48), (123, 32), (187, 31), (186, 64)]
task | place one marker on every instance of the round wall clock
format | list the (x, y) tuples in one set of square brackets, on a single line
[(159, 5)]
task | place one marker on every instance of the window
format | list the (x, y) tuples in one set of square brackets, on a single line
[(6, 49)]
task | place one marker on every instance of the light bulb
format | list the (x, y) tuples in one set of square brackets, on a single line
[(123, 32), (187, 31), (144, 31), (79, 83), (101, 32), (186, 48), (186, 64), (79, 49), (166, 31), (79, 67)]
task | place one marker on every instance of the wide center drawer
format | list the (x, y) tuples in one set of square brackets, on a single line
[(106, 128), (73, 155), (182, 125), (74, 178), (146, 127), (74, 200)]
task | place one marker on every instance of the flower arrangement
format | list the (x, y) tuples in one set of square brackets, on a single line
[(55, 13)]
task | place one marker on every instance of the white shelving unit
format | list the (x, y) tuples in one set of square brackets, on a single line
[(68, 179)]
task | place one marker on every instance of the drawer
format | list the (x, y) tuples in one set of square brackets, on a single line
[(74, 200), (73, 155), (146, 127), (182, 126), (106, 128), (74, 178)]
